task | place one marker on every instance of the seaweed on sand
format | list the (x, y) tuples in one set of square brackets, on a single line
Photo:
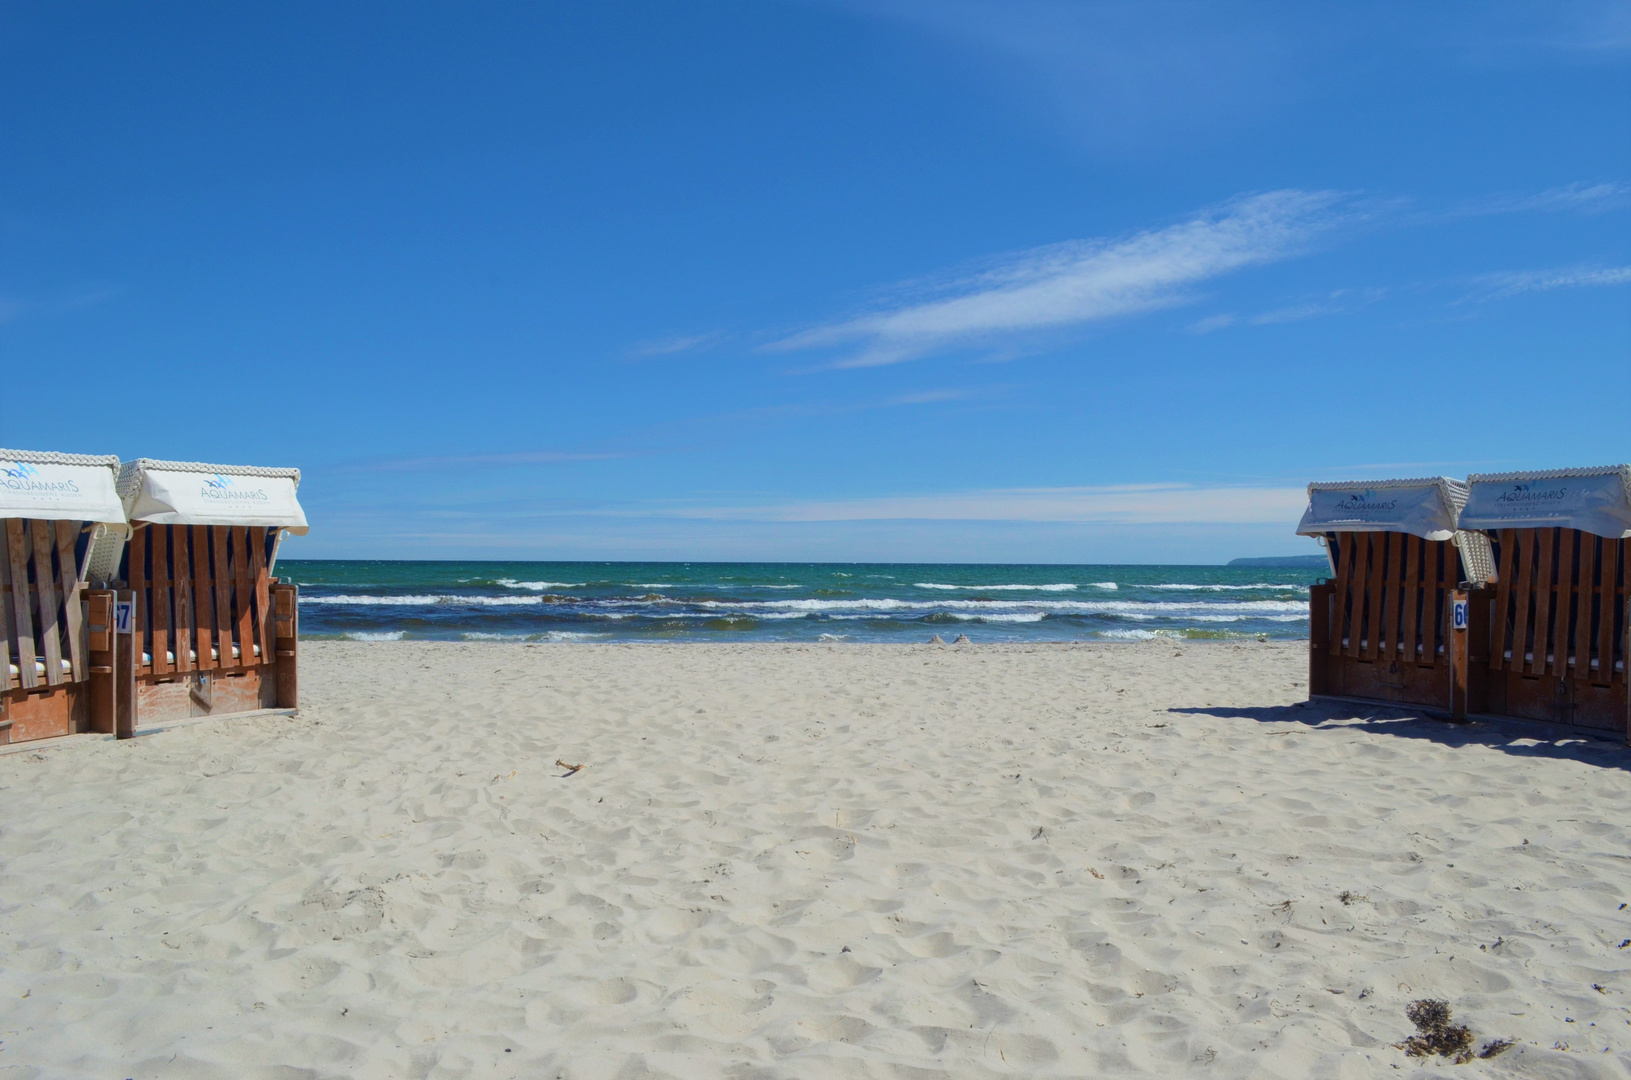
[(1436, 1035)]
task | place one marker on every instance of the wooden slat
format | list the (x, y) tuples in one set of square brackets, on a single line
[(22, 605), (1504, 577), (72, 598), (203, 597), (1586, 571), (1522, 594), (1542, 587), (1356, 591), (1620, 598), (1446, 574), (263, 606), (158, 543), (138, 593), (7, 632), (181, 588), (243, 592), (1563, 606), (1342, 593), (1396, 593), (1443, 570), (1387, 596), (1412, 592), (1606, 603), (99, 619), (1363, 571), (1373, 593), (221, 587), (1382, 614), (44, 538)]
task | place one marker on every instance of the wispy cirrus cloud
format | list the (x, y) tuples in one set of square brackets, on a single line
[(51, 304), (1335, 302), (1497, 286), (1145, 504), (1080, 282), (673, 346), (456, 461), (1586, 198)]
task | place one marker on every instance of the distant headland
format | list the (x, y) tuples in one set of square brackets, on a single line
[(1309, 561)]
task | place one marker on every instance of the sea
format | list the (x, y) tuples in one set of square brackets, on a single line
[(869, 602)]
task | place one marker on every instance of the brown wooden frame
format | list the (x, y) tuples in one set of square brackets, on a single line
[(207, 639), (44, 623), (1380, 629), (1558, 628)]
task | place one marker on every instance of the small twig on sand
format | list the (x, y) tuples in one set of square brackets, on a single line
[(570, 769)]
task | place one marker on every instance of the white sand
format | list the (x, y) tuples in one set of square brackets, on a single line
[(810, 861)]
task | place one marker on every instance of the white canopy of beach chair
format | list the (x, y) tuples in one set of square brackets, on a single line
[(59, 487), (50, 486), (1597, 501), (195, 493), (1422, 507)]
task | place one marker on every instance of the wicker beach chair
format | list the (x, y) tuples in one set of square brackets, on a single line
[(61, 530), (1380, 628), (215, 632), (1555, 647)]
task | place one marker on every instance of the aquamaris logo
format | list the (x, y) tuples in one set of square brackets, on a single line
[(21, 476), (222, 487), (1528, 493), (1367, 500), (20, 470)]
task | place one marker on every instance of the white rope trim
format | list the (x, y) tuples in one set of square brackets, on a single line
[(130, 473), (51, 457)]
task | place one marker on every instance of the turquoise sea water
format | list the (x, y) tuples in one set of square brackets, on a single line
[(578, 601)]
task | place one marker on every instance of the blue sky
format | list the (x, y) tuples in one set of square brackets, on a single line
[(905, 281)]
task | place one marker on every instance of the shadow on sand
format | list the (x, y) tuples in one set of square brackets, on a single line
[(1524, 738)]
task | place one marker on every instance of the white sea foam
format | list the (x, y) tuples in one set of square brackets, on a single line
[(1015, 617), (723, 611), (376, 635), (833, 637), (1226, 588), (540, 586), (1159, 609), (1105, 585), (425, 599), (1015, 610), (1000, 588), (873, 615), (551, 635), (1130, 635)]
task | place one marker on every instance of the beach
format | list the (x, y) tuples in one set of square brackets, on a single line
[(1143, 859)]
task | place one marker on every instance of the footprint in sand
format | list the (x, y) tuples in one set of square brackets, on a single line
[(836, 975), (933, 946), (612, 992), (730, 1008)]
